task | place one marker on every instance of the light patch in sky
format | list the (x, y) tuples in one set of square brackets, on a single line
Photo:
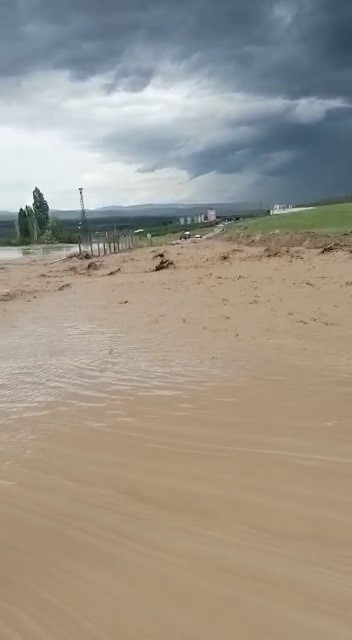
[(129, 147)]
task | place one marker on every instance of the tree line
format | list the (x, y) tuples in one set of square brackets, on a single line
[(35, 224)]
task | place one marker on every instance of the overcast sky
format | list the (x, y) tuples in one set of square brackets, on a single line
[(175, 100)]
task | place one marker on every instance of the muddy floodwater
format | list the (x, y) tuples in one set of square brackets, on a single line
[(13, 253), (175, 448)]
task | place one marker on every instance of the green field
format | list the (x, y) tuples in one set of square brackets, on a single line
[(335, 218)]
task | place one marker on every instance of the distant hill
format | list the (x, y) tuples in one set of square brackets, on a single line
[(327, 201), (152, 207), (7, 215), (170, 210), (158, 210), (156, 218)]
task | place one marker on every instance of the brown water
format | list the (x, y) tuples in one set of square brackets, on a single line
[(13, 253), (149, 491), (52, 368)]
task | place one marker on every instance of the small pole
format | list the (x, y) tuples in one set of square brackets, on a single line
[(79, 239), (98, 248), (91, 244)]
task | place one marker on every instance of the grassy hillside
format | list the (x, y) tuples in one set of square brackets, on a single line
[(326, 201), (335, 218)]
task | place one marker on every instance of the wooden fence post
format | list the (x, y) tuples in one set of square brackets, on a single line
[(110, 242)]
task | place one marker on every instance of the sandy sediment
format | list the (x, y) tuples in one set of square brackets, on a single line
[(176, 455)]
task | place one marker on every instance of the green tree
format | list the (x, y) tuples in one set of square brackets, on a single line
[(33, 226), (54, 233), (57, 229), (23, 228), (41, 210)]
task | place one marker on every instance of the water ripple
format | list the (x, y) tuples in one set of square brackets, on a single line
[(48, 369)]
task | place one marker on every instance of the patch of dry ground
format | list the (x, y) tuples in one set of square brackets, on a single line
[(215, 289)]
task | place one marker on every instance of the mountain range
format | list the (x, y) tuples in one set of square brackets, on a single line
[(169, 210)]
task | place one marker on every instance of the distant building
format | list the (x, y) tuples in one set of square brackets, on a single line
[(199, 218), (280, 208), (211, 215)]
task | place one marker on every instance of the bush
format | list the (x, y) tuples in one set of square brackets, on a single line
[(56, 233)]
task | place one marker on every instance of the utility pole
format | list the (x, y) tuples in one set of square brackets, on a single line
[(83, 225)]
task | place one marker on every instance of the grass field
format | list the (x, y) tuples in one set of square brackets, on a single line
[(335, 218)]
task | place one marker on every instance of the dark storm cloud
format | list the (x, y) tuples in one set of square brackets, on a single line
[(300, 47), (317, 162), (311, 159), (289, 48)]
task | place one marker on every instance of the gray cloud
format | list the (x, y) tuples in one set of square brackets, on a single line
[(292, 47), (263, 48)]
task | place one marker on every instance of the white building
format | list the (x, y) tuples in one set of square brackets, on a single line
[(280, 208), (211, 215)]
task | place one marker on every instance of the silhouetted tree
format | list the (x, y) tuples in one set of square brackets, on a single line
[(23, 228), (33, 226), (41, 210)]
